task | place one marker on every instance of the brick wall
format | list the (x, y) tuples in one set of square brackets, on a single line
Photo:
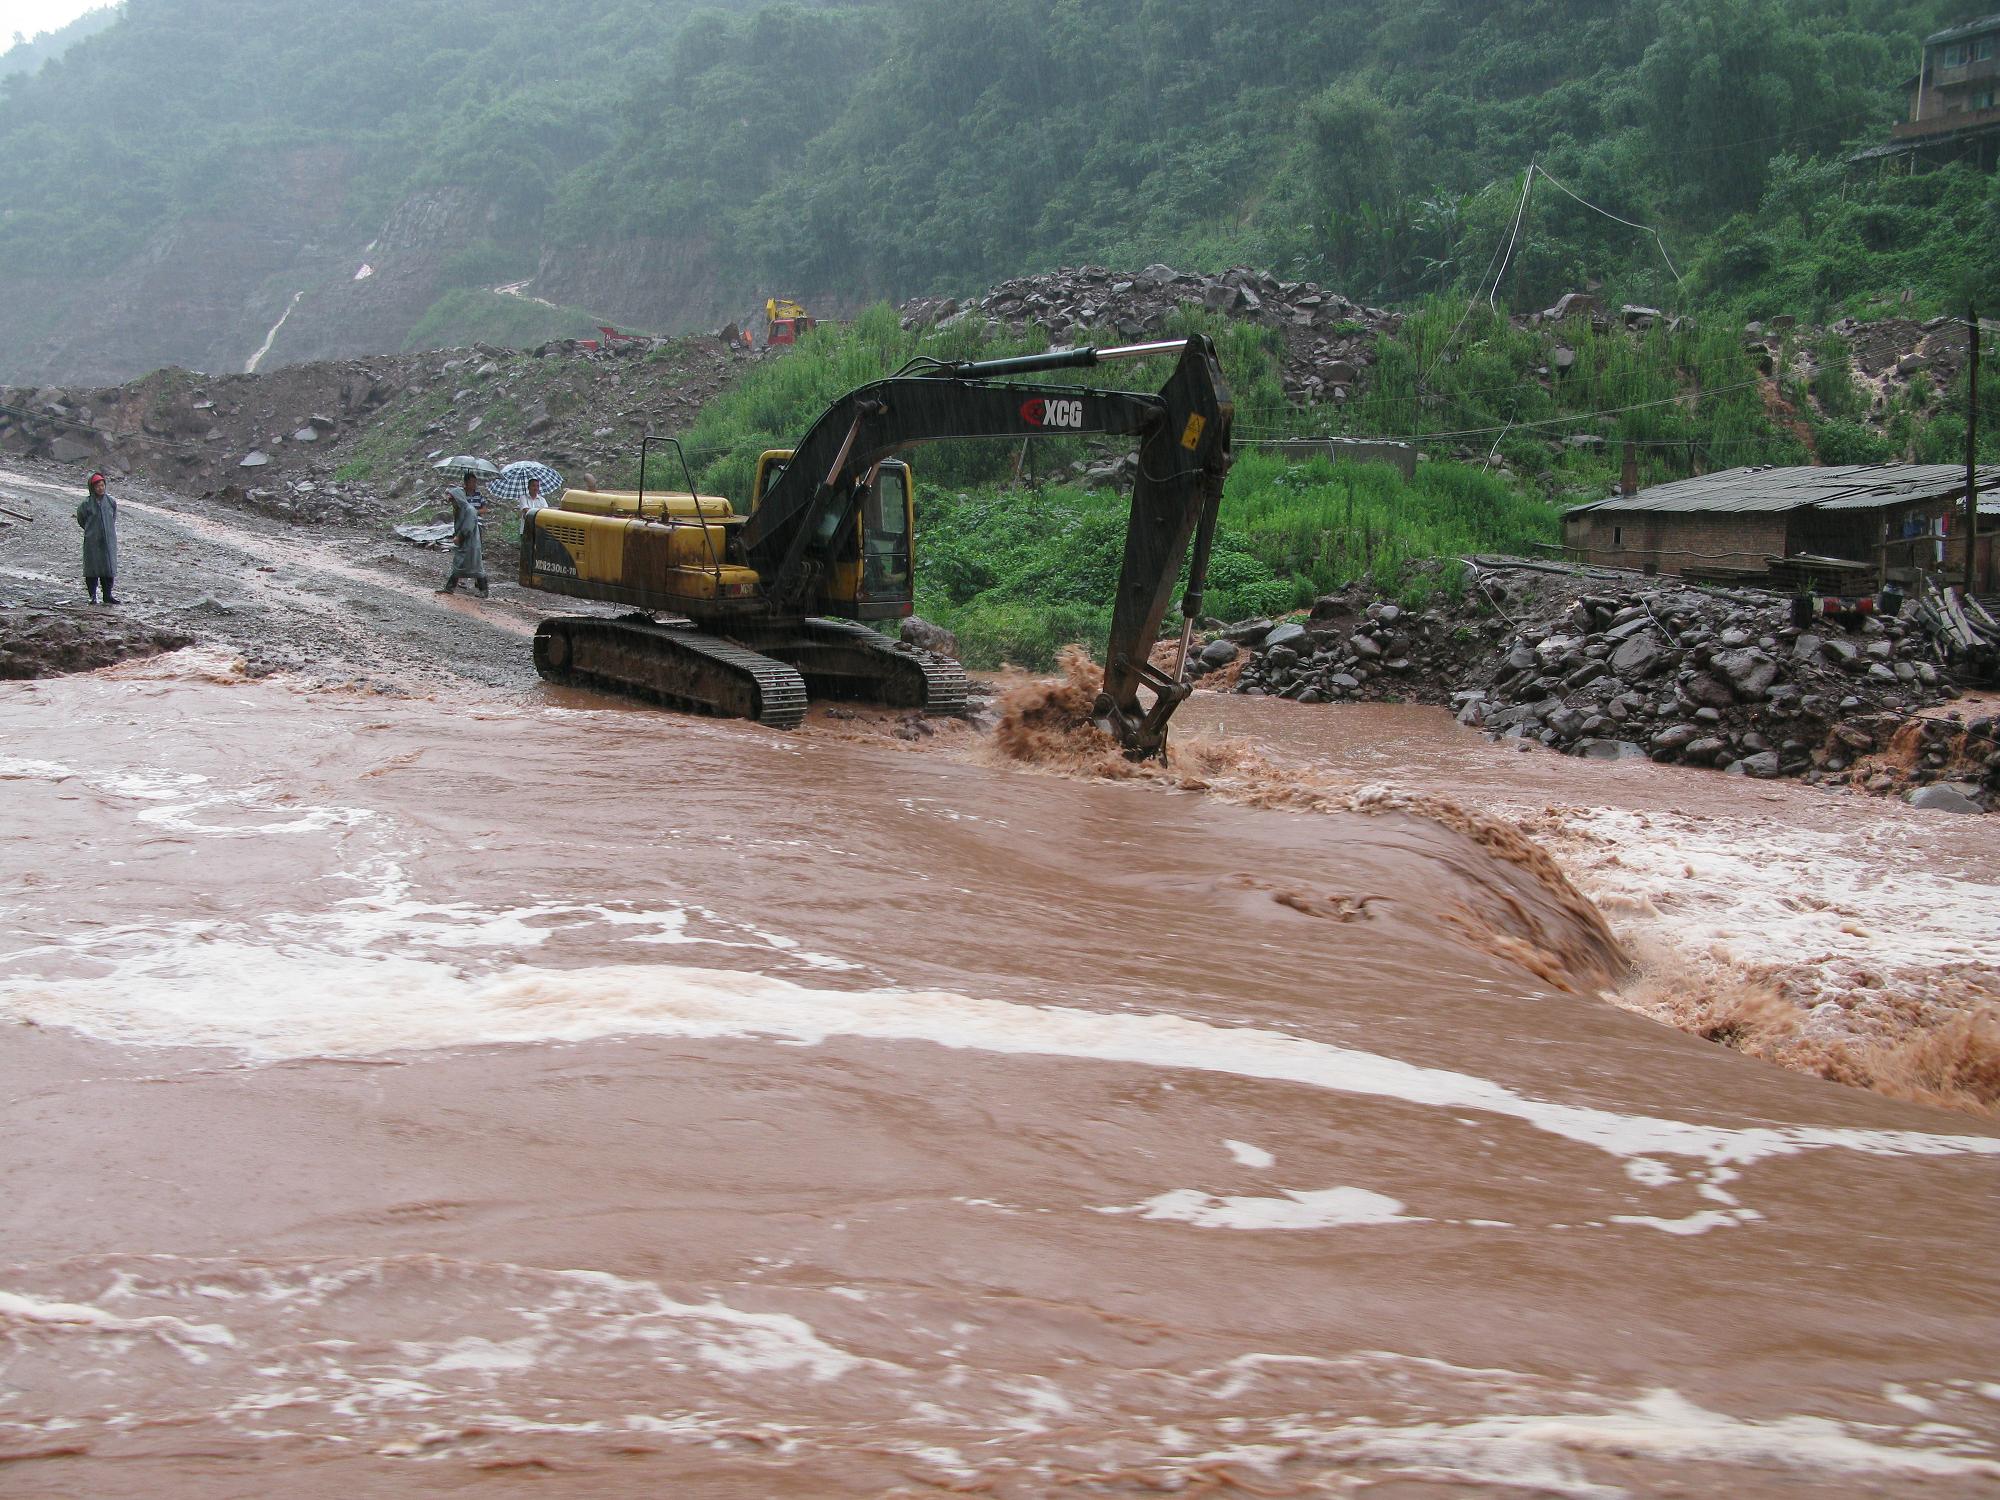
[(1675, 540)]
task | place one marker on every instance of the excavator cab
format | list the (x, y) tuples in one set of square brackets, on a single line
[(785, 318), (873, 573)]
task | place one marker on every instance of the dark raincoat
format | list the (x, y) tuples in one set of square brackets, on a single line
[(98, 516), (468, 559)]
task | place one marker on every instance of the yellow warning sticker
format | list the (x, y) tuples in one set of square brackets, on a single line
[(1192, 437)]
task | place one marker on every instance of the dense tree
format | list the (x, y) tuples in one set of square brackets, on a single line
[(905, 145)]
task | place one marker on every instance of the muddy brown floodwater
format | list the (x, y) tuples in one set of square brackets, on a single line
[(482, 1094)]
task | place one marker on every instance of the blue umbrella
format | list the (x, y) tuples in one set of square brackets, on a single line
[(512, 483)]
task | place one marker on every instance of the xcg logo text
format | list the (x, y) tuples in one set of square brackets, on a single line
[(1041, 412)]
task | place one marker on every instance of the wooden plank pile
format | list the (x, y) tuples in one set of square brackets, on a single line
[(1961, 624)]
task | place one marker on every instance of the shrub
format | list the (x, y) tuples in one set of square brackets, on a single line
[(1846, 442)]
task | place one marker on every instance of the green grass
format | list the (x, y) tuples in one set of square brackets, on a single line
[(1470, 383), (467, 315), (387, 443), (777, 402), (1018, 573)]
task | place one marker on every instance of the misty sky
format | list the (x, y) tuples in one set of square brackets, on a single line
[(32, 17)]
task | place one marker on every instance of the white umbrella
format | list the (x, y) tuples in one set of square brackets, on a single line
[(464, 461), (513, 482)]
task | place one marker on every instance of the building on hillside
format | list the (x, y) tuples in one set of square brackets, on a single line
[(1954, 102), (1853, 526)]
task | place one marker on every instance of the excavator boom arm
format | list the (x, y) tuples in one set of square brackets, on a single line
[(1184, 435)]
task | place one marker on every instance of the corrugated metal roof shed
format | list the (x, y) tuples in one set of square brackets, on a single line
[(1970, 28), (1839, 487)]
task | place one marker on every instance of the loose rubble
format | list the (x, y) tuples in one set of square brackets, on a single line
[(1608, 666), (1329, 340), (354, 440)]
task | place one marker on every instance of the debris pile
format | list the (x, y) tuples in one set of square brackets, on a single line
[(1611, 665), (1329, 340), (352, 441), (1890, 353), (1704, 677), (1350, 648)]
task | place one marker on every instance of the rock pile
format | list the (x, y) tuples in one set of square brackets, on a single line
[(1349, 648), (353, 440), (1616, 665), (1724, 680), (1329, 340)]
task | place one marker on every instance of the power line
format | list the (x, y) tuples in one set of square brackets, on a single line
[(1565, 419), (1473, 300), (1782, 135), (1614, 411), (1694, 372), (1645, 228), (1520, 217)]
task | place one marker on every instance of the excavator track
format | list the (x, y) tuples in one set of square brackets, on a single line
[(899, 674), (675, 665)]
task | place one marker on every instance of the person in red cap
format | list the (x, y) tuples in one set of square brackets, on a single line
[(98, 516)]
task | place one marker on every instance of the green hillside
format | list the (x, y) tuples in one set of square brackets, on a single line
[(902, 146), (27, 53), (1020, 569)]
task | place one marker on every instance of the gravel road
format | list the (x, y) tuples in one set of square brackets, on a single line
[(330, 603)]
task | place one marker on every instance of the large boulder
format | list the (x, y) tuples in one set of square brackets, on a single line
[(1674, 739), (1639, 657), (1603, 749), (1247, 632), (1940, 797), (921, 633), (1750, 672), (1709, 691), (1574, 305)]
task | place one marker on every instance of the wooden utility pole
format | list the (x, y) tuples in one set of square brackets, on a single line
[(1971, 445)]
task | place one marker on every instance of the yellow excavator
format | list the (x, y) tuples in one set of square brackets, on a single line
[(769, 608), (785, 318)]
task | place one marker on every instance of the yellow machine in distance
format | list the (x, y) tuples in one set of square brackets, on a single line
[(785, 318)]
